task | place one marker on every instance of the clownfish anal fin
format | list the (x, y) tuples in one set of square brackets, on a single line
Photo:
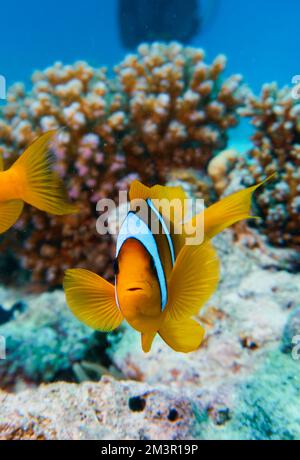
[(147, 339), (193, 280), (92, 299), (10, 211), (183, 336)]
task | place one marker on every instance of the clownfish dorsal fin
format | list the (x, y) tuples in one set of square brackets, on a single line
[(92, 299), (159, 192), (173, 215), (139, 191), (193, 280)]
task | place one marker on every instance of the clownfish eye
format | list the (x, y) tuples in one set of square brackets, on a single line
[(116, 266), (152, 265)]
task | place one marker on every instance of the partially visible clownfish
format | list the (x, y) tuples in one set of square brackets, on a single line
[(31, 179), (160, 281)]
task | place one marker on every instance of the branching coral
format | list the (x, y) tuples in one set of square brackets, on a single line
[(177, 108), (276, 118), (219, 167), (88, 158), (164, 109)]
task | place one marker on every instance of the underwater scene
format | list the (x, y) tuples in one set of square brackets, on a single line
[(150, 220)]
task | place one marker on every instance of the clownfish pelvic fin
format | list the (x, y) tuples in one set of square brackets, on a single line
[(147, 339)]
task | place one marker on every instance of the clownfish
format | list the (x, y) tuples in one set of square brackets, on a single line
[(32, 180), (160, 281)]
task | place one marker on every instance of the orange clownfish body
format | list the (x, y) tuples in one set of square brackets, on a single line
[(161, 282), (31, 179)]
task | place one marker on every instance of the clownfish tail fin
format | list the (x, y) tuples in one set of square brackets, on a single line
[(38, 184)]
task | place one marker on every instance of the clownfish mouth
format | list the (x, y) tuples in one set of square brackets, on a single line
[(138, 286)]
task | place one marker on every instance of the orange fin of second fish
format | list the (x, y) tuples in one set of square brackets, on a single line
[(10, 211), (193, 280), (39, 184), (185, 335), (92, 299), (147, 339)]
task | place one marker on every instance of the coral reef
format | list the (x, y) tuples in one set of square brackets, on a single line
[(239, 385), (72, 97), (291, 333), (45, 343), (164, 109), (97, 411), (219, 167), (8, 314), (179, 109), (275, 116), (265, 407)]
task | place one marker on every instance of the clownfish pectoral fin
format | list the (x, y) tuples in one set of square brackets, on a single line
[(228, 211), (10, 211), (92, 299), (175, 196), (147, 339), (184, 336), (193, 280), (39, 185)]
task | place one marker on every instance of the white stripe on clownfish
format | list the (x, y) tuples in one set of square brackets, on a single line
[(145, 237)]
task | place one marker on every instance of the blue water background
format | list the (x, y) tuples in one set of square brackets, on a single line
[(260, 37)]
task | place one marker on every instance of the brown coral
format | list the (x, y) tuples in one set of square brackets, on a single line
[(178, 109), (164, 109), (73, 97), (219, 166), (276, 118)]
